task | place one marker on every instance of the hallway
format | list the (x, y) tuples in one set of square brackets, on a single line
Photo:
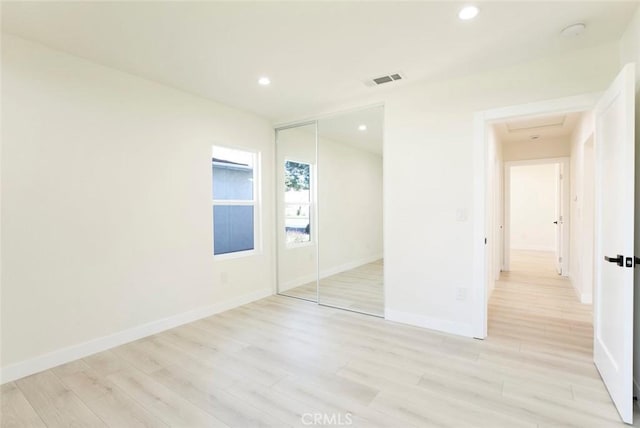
[(536, 307)]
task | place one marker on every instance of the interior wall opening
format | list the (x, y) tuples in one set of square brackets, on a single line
[(540, 217), (536, 218)]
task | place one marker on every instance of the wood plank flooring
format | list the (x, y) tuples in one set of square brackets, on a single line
[(279, 362), (358, 289), (535, 308)]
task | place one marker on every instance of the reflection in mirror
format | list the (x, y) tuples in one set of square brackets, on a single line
[(297, 202), (350, 211), (297, 231)]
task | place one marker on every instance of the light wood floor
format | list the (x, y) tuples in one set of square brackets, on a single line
[(534, 306), (358, 289), (271, 362)]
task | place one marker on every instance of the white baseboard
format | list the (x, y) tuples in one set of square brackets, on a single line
[(305, 279), (348, 266), (430, 323), (575, 287), (586, 299), (491, 290), (81, 350), (301, 280)]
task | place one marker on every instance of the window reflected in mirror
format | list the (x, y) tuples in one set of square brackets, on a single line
[(297, 202)]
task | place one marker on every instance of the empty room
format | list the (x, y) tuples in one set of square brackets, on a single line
[(291, 214)]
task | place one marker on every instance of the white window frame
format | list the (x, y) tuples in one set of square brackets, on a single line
[(256, 202), (311, 204)]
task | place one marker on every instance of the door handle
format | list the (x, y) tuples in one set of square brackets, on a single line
[(555, 222), (617, 260)]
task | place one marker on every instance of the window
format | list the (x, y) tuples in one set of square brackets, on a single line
[(297, 202), (234, 175)]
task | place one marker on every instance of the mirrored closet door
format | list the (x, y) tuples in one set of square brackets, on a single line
[(329, 201), (296, 166), (350, 211)]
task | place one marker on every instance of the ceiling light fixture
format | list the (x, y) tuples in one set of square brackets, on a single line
[(573, 30), (468, 12), (264, 81), (362, 127)]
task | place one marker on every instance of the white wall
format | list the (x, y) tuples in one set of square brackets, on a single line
[(630, 52), (533, 207), (429, 178), (106, 207), (582, 208), (539, 149)]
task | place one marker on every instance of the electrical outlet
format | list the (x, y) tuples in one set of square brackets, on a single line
[(461, 294)]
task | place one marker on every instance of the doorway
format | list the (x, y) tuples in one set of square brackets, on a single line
[(489, 158), (529, 213), (537, 213)]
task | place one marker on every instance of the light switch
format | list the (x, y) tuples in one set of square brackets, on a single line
[(461, 214)]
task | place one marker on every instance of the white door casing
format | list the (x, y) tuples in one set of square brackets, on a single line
[(562, 218), (482, 120), (558, 219)]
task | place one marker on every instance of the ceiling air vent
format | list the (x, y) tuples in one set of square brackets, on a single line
[(376, 81)]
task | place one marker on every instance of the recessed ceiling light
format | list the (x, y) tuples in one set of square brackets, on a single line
[(362, 127), (264, 81), (468, 12), (573, 30)]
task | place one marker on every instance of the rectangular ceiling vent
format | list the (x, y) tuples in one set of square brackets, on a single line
[(381, 80)]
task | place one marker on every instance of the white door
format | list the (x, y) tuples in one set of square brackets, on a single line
[(561, 224), (614, 257), (558, 219)]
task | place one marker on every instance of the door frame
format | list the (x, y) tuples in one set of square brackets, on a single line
[(566, 203), (279, 213), (481, 127)]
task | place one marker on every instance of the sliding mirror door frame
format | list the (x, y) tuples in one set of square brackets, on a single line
[(356, 272), (282, 244), (316, 204)]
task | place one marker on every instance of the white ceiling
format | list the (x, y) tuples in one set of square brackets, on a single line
[(317, 54), (343, 128), (537, 128)]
